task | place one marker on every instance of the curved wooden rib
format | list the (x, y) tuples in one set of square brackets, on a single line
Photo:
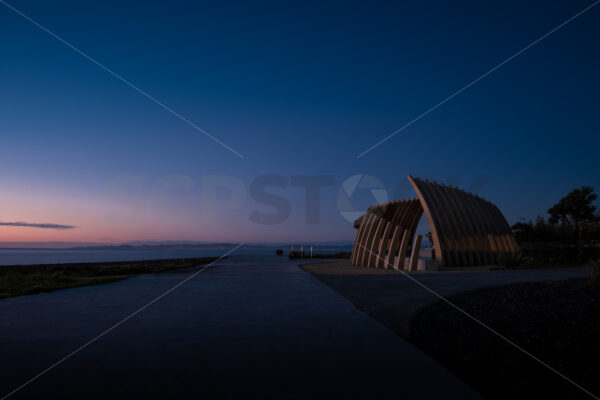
[(481, 247), (414, 254), (368, 243), (433, 227), (383, 245), (466, 229), (400, 259), (360, 237), (374, 245), (465, 226), (396, 238), (378, 242)]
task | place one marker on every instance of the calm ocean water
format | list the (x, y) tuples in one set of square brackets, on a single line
[(55, 256)]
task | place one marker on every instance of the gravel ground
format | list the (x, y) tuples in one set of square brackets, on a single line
[(557, 322)]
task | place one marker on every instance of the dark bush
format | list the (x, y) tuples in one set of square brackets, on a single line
[(513, 259)]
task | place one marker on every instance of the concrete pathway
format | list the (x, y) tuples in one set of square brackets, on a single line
[(251, 327)]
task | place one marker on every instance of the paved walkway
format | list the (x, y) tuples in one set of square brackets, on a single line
[(252, 327)]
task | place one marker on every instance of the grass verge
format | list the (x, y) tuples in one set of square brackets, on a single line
[(18, 280)]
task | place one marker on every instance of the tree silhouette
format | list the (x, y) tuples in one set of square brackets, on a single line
[(429, 237), (575, 210), (358, 221)]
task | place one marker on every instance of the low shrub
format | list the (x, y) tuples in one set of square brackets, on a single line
[(513, 259)]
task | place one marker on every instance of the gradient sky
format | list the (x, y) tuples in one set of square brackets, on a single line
[(297, 88)]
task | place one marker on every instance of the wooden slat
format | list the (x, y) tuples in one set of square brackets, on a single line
[(449, 248), (400, 259), (481, 243), (372, 253), (414, 254), (383, 246), (366, 246), (396, 238), (360, 237), (455, 225), (467, 229), (437, 240)]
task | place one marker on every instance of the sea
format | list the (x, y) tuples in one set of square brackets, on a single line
[(30, 256)]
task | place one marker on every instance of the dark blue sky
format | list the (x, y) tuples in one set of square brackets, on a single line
[(297, 88)]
